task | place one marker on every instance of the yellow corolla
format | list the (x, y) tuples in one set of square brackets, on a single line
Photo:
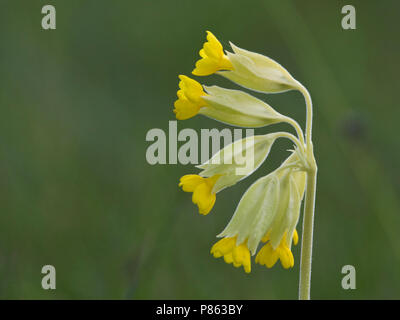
[(212, 59), (202, 188), (189, 98), (268, 256), (238, 255)]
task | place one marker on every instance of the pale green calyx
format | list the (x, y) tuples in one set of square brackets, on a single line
[(238, 108), (271, 206), (258, 72), (238, 160)]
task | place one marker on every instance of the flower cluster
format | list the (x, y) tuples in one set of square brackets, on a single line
[(268, 212)]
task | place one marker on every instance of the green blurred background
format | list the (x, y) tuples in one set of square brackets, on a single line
[(76, 190)]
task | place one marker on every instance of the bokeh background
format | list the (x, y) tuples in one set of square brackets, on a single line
[(76, 191)]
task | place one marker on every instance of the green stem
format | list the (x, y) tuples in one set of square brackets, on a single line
[(308, 100), (307, 237), (309, 205), (296, 126), (291, 137)]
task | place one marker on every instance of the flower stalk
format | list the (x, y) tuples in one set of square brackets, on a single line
[(308, 228), (309, 206)]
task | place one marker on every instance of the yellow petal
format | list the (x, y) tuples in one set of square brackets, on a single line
[(204, 198), (295, 237), (267, 256), (192, 90), (212, 51), (214, 44), (189, 182), (189, 98), (202, 53), (212, 59), (202, 190), (286, 257), (205, 67), (184, 109), (228, 258), (237, 255), (241, 257), (223, 247)]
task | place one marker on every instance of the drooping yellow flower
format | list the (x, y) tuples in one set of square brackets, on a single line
[(268, 212), (238, 255), (233, 107), (268, 256), (202, 188), (225, 168), (212, 59), (189, 98)]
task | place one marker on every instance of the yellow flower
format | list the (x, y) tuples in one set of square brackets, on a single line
[(212, 59), (226, 168), (189, 98), (233, 107), (202, 189), (238, 255), (268, 256), (268, 212)]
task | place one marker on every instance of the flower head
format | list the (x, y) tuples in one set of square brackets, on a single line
[(212, 59), (269, 210)]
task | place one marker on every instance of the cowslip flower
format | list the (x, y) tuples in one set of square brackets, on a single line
[(227, 167), (248, 69), (233, 107), (268, 212)]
